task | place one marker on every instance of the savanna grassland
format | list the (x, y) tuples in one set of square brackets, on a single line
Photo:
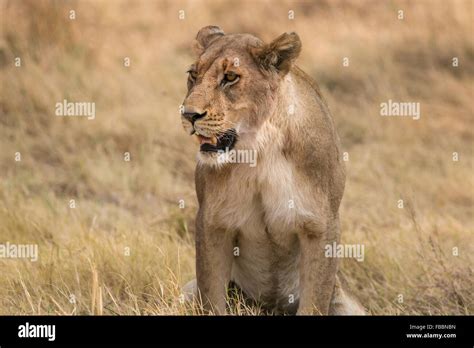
[(127, 246)]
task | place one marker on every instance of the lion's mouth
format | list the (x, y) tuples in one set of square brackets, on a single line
[(217, 143)]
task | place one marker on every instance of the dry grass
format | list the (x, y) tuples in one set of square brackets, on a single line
[(134, 204)]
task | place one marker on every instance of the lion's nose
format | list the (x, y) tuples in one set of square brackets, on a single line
[(193, 116)]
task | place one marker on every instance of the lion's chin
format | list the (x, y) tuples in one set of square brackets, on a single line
[(210, 159)]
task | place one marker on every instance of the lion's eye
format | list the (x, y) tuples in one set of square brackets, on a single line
[(230, 78), (193, 74)]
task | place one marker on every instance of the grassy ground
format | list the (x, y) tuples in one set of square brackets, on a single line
[(127, 247)]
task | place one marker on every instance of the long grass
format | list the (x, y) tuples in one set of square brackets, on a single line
[(127, 247)]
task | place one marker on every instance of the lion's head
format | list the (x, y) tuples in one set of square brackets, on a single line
[(232, 87)]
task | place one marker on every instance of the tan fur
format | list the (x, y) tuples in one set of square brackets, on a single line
[(281, 213)]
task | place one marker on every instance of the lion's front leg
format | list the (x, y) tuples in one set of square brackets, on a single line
[(213, 266), (317, 272)]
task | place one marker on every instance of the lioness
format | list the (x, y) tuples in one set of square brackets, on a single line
[(265, 227)]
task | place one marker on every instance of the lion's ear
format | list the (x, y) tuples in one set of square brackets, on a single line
[(280, 53), (206, 35)]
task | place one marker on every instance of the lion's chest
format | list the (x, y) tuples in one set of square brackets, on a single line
[(264, 205), (262, 200)]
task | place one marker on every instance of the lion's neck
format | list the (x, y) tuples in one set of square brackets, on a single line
[(277, 128)]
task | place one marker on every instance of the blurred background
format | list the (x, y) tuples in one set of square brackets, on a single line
[(127, 246)]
